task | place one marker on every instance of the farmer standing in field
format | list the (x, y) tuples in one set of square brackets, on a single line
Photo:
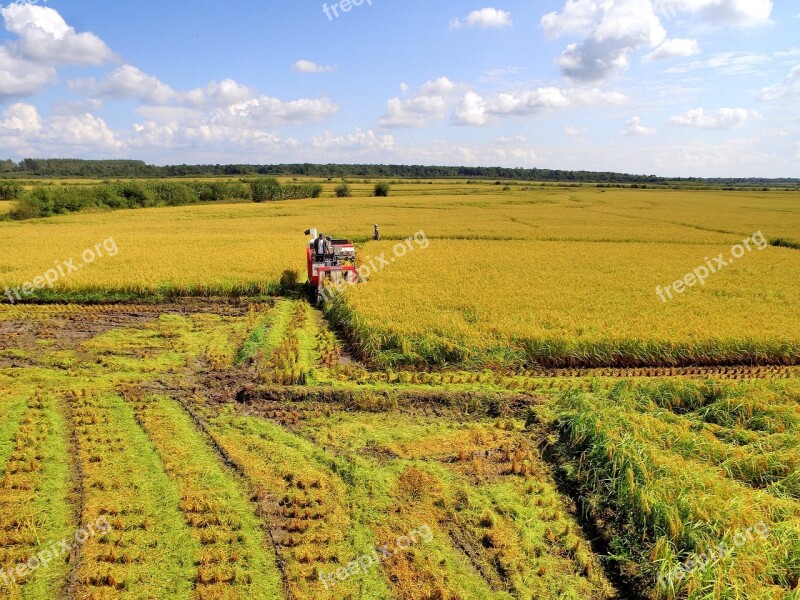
[(377, 235), (319, 246)]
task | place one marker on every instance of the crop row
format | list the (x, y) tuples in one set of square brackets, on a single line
[(672, 470), (498, 527), (235, 559), (34, 514)]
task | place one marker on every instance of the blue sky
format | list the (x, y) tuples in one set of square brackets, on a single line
[(670, 87)]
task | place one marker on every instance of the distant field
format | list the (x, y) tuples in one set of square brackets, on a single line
[(531, 275)]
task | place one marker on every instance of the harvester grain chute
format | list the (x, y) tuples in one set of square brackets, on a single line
[(331, 263)]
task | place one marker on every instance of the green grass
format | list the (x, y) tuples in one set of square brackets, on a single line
[(328, 472), (47, 515), (149, 534), (235, 548), (275, 462), (519, 526)]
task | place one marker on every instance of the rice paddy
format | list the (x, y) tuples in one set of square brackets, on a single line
[(511, 412)]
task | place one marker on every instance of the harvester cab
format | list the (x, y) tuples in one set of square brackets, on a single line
[(331, 262)]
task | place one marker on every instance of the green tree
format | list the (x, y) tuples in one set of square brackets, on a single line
[(10, 190), (382, 189)]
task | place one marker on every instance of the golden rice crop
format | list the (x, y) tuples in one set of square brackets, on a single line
[(533, 275), (215, 245), (584, 303)]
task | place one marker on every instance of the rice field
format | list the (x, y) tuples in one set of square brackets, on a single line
[(509, 412), (534, 276)]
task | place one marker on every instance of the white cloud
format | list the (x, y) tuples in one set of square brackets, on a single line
[(437, 87), (245, 125), (127, 82), (790, 86), (613, 30), (738, 13), (435, 99), (199, 135), (44, 42), (484, 18), (22, 77), (225, 93), (523, 156), (471, 110), (20, 119), (723, 118), (82, 130), (517, 139), (359, 141), (634, 128), (730, 63), (674, 48), (572, 131), (429, 104), (529, 102), (738, 63), (45, 37), (413, 112), (307, 66), (476, 110), (267, 111), (226, 103), (22, 127)]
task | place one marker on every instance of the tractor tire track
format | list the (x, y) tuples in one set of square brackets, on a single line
[(78, 494), (266, 509)]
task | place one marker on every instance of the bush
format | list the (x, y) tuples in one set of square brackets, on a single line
[(49, 200), (10, 190), (174, 194), (343, 191), (27, 208), (217, 191), (265, 189), (382, 189), (55, 200), (135, 195), (299, 192), (269, 188)]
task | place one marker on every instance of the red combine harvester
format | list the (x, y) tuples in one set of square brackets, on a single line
[(334, 267)]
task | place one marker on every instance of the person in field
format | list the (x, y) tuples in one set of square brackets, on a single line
[(328, 248), (377, 235), (319, 246)]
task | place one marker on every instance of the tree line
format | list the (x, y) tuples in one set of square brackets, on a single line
[(112, 169)]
